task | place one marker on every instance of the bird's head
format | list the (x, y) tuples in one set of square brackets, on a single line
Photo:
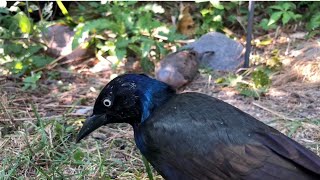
[(129, 98)]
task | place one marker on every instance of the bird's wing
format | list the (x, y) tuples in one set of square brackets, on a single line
[(198, 137)]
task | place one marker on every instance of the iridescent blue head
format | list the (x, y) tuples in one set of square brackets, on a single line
[(129, 98)]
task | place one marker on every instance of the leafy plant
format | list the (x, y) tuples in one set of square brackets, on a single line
[(126, 31), (258, 83), (314, 22), (215, 15), (31, 81), (283, 11), (22, 53)]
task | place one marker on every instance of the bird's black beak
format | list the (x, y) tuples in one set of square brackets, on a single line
[(92, 123)]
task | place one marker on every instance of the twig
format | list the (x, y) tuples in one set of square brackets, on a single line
[(4, 143), (273, 112)]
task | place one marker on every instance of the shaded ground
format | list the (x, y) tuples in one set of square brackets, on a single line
[(38, 127)]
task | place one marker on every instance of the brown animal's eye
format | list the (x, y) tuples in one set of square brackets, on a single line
[(107, 102)]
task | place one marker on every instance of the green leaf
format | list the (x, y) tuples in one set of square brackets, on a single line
[(146, 47), (122, 42), (14, 48), (314, 22), (217, 18), (161, 49), (297, 16), (135, 49), (78, 155), (120, 53), (83, 30), (216, 4), (278, 7), (40, 61), (94, 4), (288, 5), (146, 22), (4, 11), (246, 89), (205, 11), (32, 50), (31, 81), (260, 79), (25, 24), (274, 17), (285, 18), (172, 35)]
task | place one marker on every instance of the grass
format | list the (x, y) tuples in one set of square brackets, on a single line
[(47, 150)]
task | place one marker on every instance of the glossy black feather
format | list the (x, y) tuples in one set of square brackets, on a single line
[(195, 136), (218, 141)]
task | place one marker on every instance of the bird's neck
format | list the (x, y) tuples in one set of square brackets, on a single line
[(152, 96)]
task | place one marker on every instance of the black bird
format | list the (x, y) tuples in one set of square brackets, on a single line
[(195, 136)]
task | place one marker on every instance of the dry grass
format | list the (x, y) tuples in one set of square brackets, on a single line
[(303, 71)]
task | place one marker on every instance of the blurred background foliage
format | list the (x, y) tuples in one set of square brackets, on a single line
[(145, 31)]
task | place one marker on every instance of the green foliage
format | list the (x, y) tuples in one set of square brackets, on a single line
[(21, 52), (24, 23), (264, 24), (314, 22), (31, 81), (122, 29), (256, 85), (216, 15), (283, 11), (127, 31)]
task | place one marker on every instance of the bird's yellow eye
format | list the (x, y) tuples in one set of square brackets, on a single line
[(107, 102)]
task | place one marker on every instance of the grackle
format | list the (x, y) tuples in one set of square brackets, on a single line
[(195, 136)]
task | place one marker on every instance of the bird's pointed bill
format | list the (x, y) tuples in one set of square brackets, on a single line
[(92, 123)]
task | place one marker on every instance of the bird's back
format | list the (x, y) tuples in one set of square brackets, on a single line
[(194, 136)]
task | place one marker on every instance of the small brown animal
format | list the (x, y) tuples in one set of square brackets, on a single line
[(179, 68)]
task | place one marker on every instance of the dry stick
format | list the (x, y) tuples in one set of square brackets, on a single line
[(273, 112), (4, 143)]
